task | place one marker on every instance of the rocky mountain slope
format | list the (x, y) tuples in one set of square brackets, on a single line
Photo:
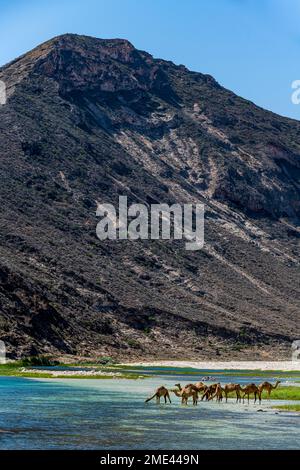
[(88, 120)]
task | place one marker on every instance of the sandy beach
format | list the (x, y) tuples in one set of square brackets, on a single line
[(230, 365)]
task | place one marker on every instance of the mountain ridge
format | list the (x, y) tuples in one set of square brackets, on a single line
[(88, 121)]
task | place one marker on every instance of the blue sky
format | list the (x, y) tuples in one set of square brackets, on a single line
[(250, 46)]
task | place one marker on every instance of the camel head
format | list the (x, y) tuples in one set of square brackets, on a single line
[(175, 391), (178, 385)]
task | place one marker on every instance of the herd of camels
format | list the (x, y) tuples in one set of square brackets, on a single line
[(209, 392)]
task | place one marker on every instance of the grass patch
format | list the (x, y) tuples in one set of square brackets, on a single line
[(284, 393), (16, 369), (164, 370), (288, 408), (281, 393)]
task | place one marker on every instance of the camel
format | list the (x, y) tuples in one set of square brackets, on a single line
[(268, 387), (200, 386), (218, 393), (251, 388), (185, 393), (209, 391), (228, 388), (160, 392)]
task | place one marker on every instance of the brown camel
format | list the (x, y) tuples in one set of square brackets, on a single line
[(209, 391), (203, 390), (185, 393), (218, 393), (228, 388), (251, 388), (268, 387), (199, 386), (160, 392)]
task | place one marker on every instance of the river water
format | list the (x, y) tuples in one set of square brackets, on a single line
[(111, 414)]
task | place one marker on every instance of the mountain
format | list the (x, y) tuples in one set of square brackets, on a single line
[(87, 120)]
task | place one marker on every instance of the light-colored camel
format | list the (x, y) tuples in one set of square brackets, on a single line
[(200, 386), (251, 388), (268, 387), (160, 392), (228, 388), (186, 392), (218, 393)]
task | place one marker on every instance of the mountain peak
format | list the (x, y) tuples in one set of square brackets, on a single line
[(61, 54), (90, 119), (71, 40)]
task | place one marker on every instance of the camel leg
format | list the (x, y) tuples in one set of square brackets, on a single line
[(168, 395)]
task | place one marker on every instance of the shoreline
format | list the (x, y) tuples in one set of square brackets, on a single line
[(227, 365)]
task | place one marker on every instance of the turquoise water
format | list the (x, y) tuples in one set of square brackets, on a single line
[(111, 414)]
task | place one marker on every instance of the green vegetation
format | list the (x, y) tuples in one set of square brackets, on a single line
[(105, 360), (260, 373), (100, 376), (284, 393), (15, 369), (288, 408), (18, 369), (39, 361), (164, 370), (281, 393), (108, 368)]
